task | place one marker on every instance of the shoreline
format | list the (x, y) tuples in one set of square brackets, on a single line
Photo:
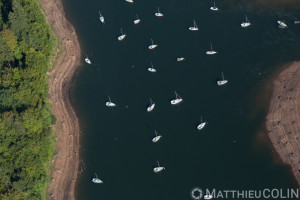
[(283, 117), (65, 162)]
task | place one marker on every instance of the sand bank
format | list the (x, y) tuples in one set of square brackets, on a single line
[(66, 161), (283, 119)]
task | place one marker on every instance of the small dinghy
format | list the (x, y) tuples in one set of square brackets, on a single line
[(177, 99), (156, 138), (223, 81), (87, 60), (158, 13), (122, 36), (282, 24), (137, 20), (211, 52), (151, 106), (194, 28), (214, 8), (101, 18), (109, 103), (152, 46), (96, 180), (151, 69), (201, 125), (158, 168), (245, 24)]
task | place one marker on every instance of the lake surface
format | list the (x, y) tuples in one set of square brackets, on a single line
[(232, 151)]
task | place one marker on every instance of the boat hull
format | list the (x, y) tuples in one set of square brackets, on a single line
[(150, 108), (176, 101), (156, 139), (110, 104), (122, 37), (153, 46), (158, 169), (223, 82)]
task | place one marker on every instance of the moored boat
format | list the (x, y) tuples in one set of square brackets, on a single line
[(223, 81), (158, 168)]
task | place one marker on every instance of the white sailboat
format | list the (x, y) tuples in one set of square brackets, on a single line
[(282, 24), (151, 69), (214, 8), (96, 180), (129, 1), (87, 60), (158, 168), (177, 99), (208, 196), (245, 24), (152, 46), (109, 103), (180, 59), (194, 28), (101, 18), (151, 106), (201, 125), (158, 13), (122, 36), (137, 20), (223, 81), (211, 52), (156, 138)]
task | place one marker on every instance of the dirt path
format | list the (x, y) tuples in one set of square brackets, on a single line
[(283, 119), (66, 161)]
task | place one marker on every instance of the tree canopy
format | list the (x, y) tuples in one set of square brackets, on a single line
[(26, 140)]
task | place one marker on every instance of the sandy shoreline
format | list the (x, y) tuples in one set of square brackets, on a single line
[(283, 119), (66, 161)]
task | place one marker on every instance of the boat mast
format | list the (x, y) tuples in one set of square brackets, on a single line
[(155, 133), (158, 164)]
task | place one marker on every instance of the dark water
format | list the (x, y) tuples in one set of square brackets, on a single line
[(232, 152)]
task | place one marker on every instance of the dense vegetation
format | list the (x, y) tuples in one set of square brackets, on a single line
[(26, 141)]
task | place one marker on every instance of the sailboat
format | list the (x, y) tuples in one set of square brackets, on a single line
[(152, 46), (122, 36), (101, 18), (96, 180), (129, 1), (194, 28), (158, 13), (246, 24), (282, 24), (156, 138), (87, 60), (151, 106), (208, 196), (109, 103), (214, 8), (177, 99), (158, 169), (151, 69), (223, 81), (137, 20), (180, 59), (211, 52), (201, 125)]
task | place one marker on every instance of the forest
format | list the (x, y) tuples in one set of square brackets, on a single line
[(26, 138)]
